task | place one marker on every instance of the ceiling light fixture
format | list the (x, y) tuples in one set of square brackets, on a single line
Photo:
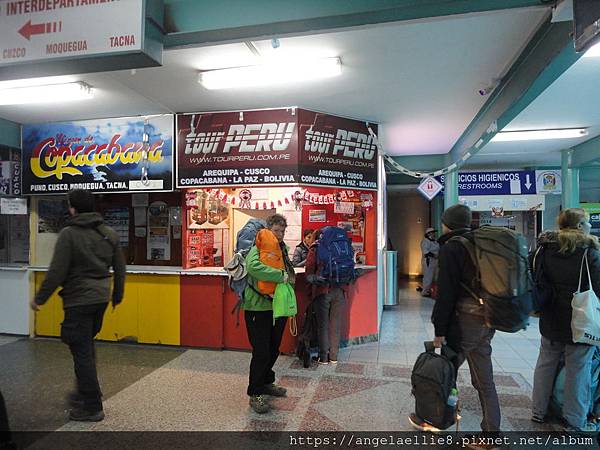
[(533, 135), (269, 73), (48, 93), (593, 51)]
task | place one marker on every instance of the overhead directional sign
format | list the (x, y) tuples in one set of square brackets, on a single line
[(430, 187), (510, 182), (35, 30)]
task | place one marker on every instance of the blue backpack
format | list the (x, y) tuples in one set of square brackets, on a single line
[(335, 257)]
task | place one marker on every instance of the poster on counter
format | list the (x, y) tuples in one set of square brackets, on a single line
[(104, 155), (159, 236), (241, 148), (118, 219), (335, 151)]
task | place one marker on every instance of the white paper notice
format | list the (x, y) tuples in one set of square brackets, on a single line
[(515, 186), (13, 206)]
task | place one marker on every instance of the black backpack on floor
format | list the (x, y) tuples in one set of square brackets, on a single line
[(308, 339), (433, 378)]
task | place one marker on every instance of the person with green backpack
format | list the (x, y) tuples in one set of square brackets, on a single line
[(265, 331)]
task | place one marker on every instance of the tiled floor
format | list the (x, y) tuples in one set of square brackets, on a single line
[(161, 388), (405, 327)]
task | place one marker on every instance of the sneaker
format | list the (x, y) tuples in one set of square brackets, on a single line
[(323, 362), (333, 361), (274, 390), (259, 404), (589, 427), (81, 415), (75, 400), (420, 424)]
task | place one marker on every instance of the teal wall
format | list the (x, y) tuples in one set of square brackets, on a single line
[(10, 134)]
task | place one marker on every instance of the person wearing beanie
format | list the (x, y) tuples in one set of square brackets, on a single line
[(458, 318), (429, 249)]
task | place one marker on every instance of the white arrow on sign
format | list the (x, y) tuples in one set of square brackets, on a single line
[(527, 182)]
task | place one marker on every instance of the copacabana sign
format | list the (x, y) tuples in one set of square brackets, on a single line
[(108, 155)]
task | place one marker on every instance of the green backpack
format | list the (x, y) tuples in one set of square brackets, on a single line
[(284, 304)]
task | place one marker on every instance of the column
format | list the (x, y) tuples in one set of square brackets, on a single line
[(570, 181), (437, 208), (451, 189)]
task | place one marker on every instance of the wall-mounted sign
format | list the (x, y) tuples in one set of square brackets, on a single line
[(98, 155), (33, 30), (548, 181), (510, 182), (335, 151), (503, 203), (274, 147), (13, 206), (430, 187)]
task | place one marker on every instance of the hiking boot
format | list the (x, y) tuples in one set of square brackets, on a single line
[(81, 415), (274, 390), (323, 362), (259, 404)]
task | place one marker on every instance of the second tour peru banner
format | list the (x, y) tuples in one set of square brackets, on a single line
[(105, 155), (274, 147)]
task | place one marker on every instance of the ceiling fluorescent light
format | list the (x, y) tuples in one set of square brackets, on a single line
[(49, 93), (280, 72), (593, 51), (533, 135)]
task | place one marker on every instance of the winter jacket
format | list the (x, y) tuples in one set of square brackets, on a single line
[(300, 254), (429, 248), (253, 299), (455, 267), (561, 271), (85, 251)]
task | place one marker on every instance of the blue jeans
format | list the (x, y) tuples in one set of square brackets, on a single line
[(578, 372)]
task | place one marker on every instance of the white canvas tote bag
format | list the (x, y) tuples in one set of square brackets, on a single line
[(585, 323)]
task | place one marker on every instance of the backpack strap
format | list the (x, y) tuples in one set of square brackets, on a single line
[(470, 247)]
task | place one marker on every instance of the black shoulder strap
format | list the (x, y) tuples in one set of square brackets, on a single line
[(470, 247)]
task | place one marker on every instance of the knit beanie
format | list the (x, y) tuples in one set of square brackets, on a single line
[(457, 216)]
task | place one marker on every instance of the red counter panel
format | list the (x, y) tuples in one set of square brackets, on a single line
[(202, 310)]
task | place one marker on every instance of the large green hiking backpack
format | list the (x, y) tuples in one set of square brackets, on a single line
[(502, 282)]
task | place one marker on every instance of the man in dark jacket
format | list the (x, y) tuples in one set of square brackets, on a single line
[(458, 317), (84, 252)]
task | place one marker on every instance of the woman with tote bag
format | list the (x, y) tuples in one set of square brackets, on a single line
[(564, 255)]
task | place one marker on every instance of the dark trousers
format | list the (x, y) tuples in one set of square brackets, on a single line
[(476, 349), (5, 436), (81, 325), (265, 339), (329, 312)]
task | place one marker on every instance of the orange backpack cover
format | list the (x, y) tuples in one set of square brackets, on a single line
[(270, 254)]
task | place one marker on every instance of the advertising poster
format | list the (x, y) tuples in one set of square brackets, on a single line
[(237, 148), (104, 155), (159, 236), (52, 215), (118, 219), (336, 151)]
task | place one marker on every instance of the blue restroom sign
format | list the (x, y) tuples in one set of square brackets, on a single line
[(511, 182)]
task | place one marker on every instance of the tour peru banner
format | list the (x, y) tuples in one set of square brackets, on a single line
[(274, 147), (237, 148), (106, 155), (335, 151)]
